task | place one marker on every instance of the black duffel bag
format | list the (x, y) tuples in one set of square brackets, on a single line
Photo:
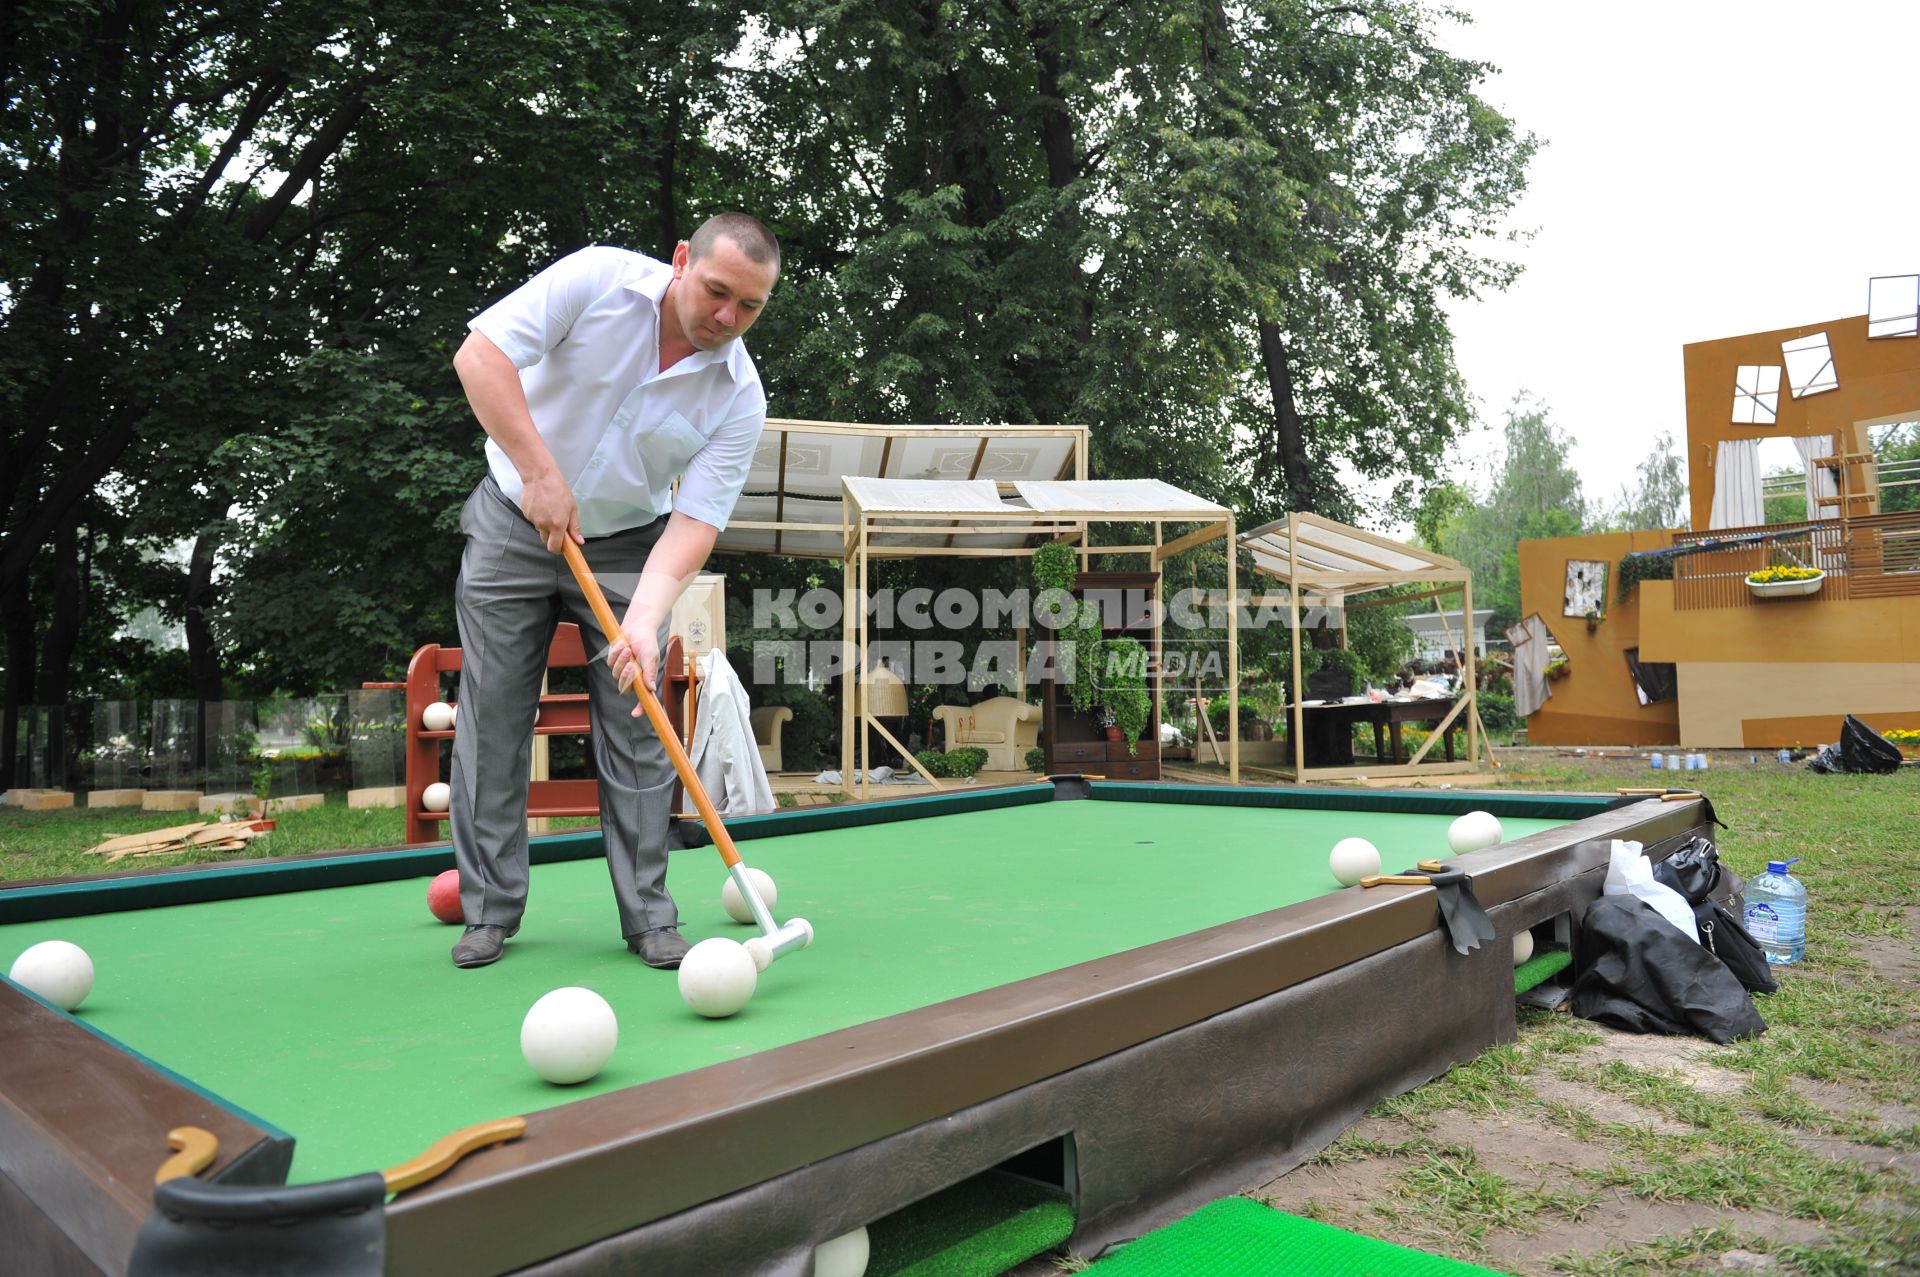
[(1696, 873)]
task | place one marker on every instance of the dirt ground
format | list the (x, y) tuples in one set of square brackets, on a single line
[(1528, 1146), (1528, 1200)]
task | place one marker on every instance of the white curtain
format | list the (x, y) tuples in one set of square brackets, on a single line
[(1821, 480), (1530, 687), (1737, 502)]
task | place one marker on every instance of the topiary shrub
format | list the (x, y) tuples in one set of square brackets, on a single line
[(1036, 759), (935, 761), (966, 761)]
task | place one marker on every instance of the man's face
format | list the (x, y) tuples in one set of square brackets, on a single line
[(718, 297)]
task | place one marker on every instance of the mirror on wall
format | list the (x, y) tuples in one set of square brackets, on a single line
[(1756, 394), (1809, 365), (1893, 306)]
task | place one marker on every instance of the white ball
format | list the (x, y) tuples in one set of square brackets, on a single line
[(437, 717), (1353, 859), (736, 904), (60, 972), (842, 1256), (439, 796), (717, 977), (1475, 831), (1522, 947), (569, 1035)]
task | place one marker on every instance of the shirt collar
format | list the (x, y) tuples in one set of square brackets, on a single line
[(652, 284)]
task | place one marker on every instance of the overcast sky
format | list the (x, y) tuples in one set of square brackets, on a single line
[(1711, 169)]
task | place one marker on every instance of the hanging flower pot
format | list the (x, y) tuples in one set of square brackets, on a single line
[(1785, 582)]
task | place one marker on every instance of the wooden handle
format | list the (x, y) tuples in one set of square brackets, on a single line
[(610, 625), (448, 1149), (1396, 880), (1680, 798), (193, 1151), (1431, 866)]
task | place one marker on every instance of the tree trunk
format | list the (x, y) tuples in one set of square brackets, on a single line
[(1289, 439), (666, 171), (18, 611), (56, 654), (203, 650)]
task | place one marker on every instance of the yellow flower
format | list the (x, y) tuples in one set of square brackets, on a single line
[(1767, 576)]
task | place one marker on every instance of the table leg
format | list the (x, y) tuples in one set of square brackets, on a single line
[(1399, 751), (1378, 744)]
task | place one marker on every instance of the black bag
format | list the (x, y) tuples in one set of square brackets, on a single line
[(1643, 974), (1860, 749), (1696, 873)]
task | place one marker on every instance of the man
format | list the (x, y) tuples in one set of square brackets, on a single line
[(598, 383)]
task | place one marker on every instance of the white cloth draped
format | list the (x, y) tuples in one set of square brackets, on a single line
[(1737, 501), (1821, 480), (1530, 687), (723, 754)]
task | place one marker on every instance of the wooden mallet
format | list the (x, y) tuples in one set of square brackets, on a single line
[(774, 941)]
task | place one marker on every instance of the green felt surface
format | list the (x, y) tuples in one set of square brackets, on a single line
[(1540, 968), (978, 1228), (336, 1015), (1239, 1237)]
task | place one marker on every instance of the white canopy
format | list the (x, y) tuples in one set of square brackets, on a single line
[(1310, 550), (791, 501)]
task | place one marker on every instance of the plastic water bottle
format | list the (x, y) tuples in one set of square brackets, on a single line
[(1777, 913), (1657, 761)]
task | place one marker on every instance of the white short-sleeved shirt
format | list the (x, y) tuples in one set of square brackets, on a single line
[(585, 335)]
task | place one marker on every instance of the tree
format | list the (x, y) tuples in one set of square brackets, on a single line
[(1657, 497), (1534, 494)]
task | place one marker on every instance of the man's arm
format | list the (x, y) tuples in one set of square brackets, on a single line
[(676, 557), (493, 389)]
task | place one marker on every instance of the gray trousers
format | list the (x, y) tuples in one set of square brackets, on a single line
[(511, 594)]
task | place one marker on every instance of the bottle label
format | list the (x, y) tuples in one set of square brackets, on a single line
[(1763, 924)]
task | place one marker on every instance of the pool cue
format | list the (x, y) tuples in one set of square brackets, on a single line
[(774, 941)]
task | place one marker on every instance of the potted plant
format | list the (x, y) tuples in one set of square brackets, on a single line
[(263, 791), (1056, 567), (1556, 669), (1593, 619), (1332, 674), (1123, 688), (1785, 581)]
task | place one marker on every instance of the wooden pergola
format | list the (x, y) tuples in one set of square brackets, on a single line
[(1318, 556), (976, 518)]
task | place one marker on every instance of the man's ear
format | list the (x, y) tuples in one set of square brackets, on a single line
[(680, 257)]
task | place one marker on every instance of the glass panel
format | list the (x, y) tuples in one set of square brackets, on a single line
[(119, 748), (231, 738), (376, 737), (1809, 365), (176, 730), (1756, 394), (1893, 306)]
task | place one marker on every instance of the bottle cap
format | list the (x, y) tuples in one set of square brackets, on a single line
[(1781, 866)]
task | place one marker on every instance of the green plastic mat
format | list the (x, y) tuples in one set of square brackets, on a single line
[(1539, 969), (1239, 1237), (977, 1228)]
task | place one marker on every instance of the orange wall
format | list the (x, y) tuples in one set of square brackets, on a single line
[(1595, 703), (1805, 631), (1879, 381)]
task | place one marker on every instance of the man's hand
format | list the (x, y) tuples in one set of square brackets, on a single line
[(636, 653), (548, 504)]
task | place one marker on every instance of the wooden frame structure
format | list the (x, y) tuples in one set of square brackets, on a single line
[(790, 503), (979, 518), (1318, 555)]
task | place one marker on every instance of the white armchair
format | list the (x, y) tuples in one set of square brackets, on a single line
[(1005, 727), (767, 723)]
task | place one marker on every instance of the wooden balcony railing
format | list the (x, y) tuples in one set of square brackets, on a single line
[(1871, 556)]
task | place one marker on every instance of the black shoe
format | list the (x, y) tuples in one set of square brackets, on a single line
[(480, 946), (663, 947)]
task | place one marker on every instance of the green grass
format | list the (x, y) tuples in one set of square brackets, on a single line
[(53, 844), (1835, 1020)]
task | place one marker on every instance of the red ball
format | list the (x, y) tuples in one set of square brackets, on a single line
[(443, 897)]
